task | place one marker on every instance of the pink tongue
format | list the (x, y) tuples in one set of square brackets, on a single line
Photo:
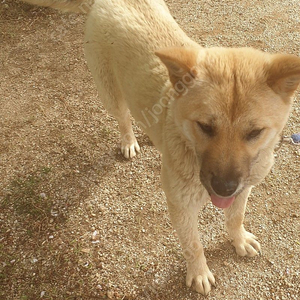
[(221, 202)]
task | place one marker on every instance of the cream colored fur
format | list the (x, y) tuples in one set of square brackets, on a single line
[(209, 111)]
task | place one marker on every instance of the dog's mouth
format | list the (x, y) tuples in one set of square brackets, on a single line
[(223, 194), (221, 202)]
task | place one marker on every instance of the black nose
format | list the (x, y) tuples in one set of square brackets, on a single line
[(224, 187)]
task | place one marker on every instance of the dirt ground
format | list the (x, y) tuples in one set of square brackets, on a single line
[(80, 222)]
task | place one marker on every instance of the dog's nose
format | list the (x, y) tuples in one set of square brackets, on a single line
[(224, 187)]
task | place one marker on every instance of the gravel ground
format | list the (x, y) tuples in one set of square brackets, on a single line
[(80, 222)]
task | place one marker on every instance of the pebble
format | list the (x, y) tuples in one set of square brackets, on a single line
[(43, 195), (296, 138), (110, 294)]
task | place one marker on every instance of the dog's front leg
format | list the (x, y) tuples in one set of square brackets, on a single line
[(184, 220), (184, 205), (244, 242)]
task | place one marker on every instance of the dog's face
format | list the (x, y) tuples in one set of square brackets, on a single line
[(232, 107)]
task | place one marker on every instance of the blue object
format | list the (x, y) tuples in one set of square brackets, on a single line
[(296, 138)]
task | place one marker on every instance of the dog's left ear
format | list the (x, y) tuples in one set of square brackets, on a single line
[(284, 75), (180, 62)]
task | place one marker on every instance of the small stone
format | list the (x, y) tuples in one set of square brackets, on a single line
[(110, 294), (296, 138), (43, 195), (86, 250)]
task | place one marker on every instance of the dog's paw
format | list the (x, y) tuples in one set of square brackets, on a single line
[(200, 277), (246, 244), (129, 150)]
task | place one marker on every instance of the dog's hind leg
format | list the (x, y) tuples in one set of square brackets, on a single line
[(113, 101), (115, 104), (129, 144)]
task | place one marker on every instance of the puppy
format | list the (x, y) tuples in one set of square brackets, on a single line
[(215, 114)]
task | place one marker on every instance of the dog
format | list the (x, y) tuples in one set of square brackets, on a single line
[(215, 114)]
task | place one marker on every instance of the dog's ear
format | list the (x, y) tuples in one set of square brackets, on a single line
[(180, 62), (284, 75)]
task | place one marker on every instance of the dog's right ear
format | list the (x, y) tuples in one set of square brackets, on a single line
[(284, 75), (180, 61)]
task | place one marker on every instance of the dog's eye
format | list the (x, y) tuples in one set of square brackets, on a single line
[(207, 129), (254, 134)]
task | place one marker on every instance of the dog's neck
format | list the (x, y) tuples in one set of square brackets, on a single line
[(176, 145)]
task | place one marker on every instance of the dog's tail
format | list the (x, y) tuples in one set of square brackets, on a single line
[(78, 6)]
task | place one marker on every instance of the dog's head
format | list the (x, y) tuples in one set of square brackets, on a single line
[(231, 107)]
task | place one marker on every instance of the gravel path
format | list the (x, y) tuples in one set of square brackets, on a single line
[(78, 221)]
